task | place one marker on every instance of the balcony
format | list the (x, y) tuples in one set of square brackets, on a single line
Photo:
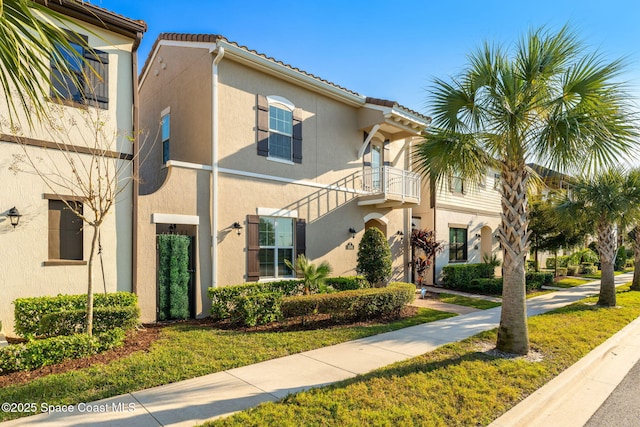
[(389, 187)]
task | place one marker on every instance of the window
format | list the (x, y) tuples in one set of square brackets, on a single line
[(166, 131), (496, 181), (279, 129), (65, 231), (456, 184), (83, 81), (457, 244), (280, 133), (276, 245)]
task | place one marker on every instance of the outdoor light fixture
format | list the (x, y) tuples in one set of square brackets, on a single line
[(237, 226), (399, 233), (353, 232), (14, 216)]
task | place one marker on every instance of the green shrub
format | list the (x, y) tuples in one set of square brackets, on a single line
[(531, 265), (37, 353), (225, 299), (74, 321), (257, 309), (562, 271), (563, 261), (456, 276), (584, 256), (485, 286), (374, 257), (347, 283), (538, 280), (29, 311), (573, 270), (621, 259), (588, 268), (362, 304)]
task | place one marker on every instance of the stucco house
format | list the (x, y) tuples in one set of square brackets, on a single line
[(46, 252), (464, 217), (258, 161)]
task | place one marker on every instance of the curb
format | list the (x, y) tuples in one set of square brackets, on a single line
[(572, 397)]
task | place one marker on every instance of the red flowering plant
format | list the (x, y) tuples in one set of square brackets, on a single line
[(425, 241)]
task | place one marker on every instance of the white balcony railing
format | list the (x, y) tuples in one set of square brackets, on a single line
[(397, 183)]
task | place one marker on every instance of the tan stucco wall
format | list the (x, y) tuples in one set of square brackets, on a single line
[(24, 249), (320, 190)]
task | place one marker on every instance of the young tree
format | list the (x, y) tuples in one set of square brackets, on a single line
[(84, 166), (374, 257), (548, 103), (605, 201), (635, 240)]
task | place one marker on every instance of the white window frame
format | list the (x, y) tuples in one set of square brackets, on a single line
[(276, 248), (286, 105)]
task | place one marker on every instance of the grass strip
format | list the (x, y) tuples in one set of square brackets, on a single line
[(459, 384), (189, 351), (478, 303), (570, 282)]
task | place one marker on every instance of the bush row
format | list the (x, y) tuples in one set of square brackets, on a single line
[(37, 353), (493, 286), (456, 275), (359, 304), (29, 311), (226, 300), (74, 321)]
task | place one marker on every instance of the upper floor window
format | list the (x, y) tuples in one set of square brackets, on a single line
[(166, 133), (85, 79), (497, 181), (280, 133), (456, 184), (279, 129)]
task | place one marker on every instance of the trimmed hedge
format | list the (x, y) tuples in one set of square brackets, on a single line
[(225, 299), (362, 304), (563, 261), (74, 321), (347, 283), (534, 281), (456, 276), (573, 270), (29, 311), (38, 353), (258, 309)]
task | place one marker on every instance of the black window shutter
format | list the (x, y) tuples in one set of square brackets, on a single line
[(297, 136), (96, 89), (262, 107), (386, 157), (301, 237), (253, 248)]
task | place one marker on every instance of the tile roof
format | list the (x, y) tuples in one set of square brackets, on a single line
[(214, 38)]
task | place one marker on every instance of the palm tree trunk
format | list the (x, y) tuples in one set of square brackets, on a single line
[(90, 282), (607, 246), (635, 284), (513, 333)]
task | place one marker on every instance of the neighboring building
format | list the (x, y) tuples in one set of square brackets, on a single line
[(465, 217), (46, 253), (276, 161)]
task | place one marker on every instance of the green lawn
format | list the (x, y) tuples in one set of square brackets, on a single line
[(598, 275), (570, 282), (457, 385), (188, 351), (479, 303)]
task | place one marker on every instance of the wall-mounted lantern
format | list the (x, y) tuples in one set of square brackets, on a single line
[(353, 232), (14, 216), (237, 226)]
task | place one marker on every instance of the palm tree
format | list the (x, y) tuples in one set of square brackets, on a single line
[(312, 276), (30, 34), (548, 103), (610, 200)]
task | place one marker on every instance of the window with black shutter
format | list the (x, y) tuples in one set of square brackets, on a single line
[(279, 129), (85, 80)]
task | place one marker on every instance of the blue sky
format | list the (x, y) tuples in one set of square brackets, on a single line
[(389, 49)]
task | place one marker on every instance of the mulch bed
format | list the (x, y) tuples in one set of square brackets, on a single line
[(142, 339)]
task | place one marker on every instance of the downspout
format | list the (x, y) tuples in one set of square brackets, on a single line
[(219, 51), (135, 125)]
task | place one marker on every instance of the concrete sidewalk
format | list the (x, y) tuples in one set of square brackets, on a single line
[(193, 401)]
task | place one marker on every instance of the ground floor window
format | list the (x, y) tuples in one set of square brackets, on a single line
[(276, 239), (65, 230), (457, 244)]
